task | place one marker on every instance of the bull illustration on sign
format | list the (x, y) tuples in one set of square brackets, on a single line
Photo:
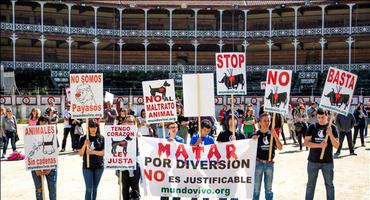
[(161, 90), (120, 143), (338, 99), (277, 99), (232, 81)]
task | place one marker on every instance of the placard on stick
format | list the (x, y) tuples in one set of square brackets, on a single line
[(230, 74), (40, 145), (160, 101), (120, 147), (86, 95), (338, 91), (206, 95), (109, 97), (277, 92)]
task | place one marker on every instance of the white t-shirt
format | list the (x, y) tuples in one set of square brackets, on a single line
[(144, 130), (66, 114)]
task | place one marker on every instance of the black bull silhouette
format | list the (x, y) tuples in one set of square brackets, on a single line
[(276, 99), (232, 82), (337, 99)]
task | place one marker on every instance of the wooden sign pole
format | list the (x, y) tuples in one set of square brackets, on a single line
[(163, 130), (88, 143), (42, 187), (272, 136), (232, 115), (327, 136), (198, 103)]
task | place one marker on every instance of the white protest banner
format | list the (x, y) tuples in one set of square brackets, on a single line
[(40, 146), (160, 101), (277, 92), (263, 85), (230, 73), (206, 97), (86, 95), (68, 94), (120, 147), (224, 170), (109, 97), (338, 91)]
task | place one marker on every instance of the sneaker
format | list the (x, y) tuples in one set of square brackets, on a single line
[(62, 150), (363, 145), (353, 154), (3, 156), (336, 154)]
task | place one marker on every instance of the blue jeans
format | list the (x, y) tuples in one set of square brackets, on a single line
[(367, 122), (51, 179), (92, 179), (327, 172), (267, 170), (9, 135)]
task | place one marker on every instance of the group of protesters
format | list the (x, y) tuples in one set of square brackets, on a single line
[(310, 125)]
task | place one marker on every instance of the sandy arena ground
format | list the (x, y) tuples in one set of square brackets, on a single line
[(351, 176)]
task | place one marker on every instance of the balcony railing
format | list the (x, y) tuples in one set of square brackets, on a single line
[(174, 68), (182, 34)]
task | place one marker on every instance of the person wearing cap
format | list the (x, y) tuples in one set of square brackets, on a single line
[(93, 173), (9, 127), (315, 140), (311, 112), (264, 166)]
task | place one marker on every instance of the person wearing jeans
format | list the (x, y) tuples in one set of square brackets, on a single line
[(9, 127), (92, 173), (264, 166), (67, 128), (50, 174), (315, 140), (51, 179)]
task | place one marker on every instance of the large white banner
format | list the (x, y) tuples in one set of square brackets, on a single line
[(191, 83), (222, 170), (120, 147), (160, 101), (277, 91), (40, 146), (338, 91), (86, 95), (230, 73)]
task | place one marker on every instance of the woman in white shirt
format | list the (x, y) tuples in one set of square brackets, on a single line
[(143, 127)]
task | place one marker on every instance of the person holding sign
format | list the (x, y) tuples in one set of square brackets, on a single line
[(227, 135), (130, 178), (92, 174), (203, 138), (264, 167), (50, 174), (315, 140)]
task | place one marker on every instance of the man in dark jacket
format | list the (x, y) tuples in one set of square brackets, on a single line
[(345, 125)]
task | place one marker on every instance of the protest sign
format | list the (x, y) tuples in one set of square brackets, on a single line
[(109, 97), (160, 101), (338, 91), (230, 73), (222, 170), (68, 94), (120, 147), (198, 91), (86, 95), (277, 92), (40, 146)]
